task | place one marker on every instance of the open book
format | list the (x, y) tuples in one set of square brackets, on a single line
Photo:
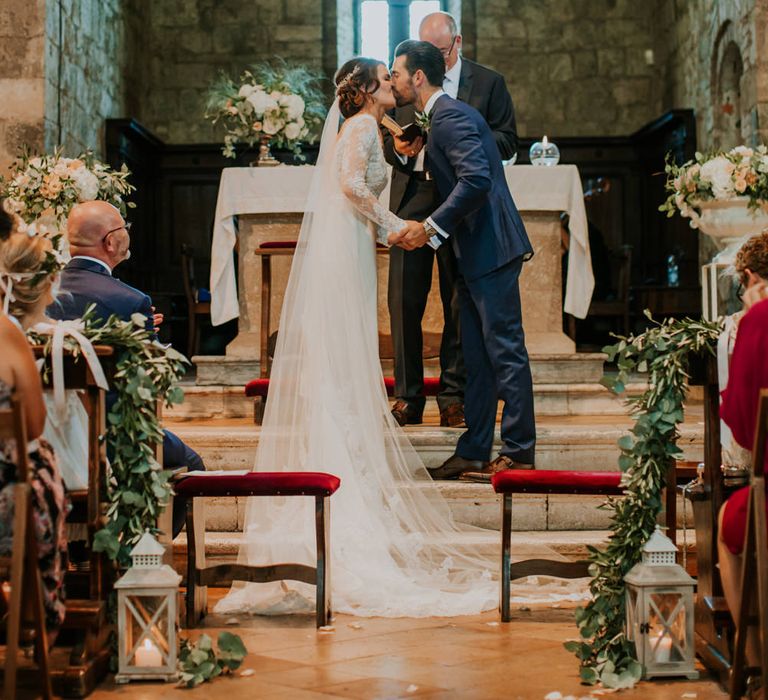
[(407, 133)]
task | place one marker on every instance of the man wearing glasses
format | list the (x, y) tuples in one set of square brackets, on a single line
[(414, 196), (99, 240)]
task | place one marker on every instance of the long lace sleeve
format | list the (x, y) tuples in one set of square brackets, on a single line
[(360, 144)]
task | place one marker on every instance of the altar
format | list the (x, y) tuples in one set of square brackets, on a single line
[(258, 205)]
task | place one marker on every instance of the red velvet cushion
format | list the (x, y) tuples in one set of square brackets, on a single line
[(278, 244), (431, 386), (553, 481), (260, 484), (257, 387)]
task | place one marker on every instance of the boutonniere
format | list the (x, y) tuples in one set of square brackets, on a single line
[(424, 121)]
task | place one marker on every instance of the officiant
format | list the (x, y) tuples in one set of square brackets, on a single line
[(413, 195)]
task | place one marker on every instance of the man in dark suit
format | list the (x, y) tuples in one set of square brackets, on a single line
[(478, 218), (99, 240), (413, 195)]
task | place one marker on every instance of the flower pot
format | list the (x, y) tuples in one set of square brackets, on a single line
[(727, 221)]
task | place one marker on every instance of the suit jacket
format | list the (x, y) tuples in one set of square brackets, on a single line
[(477, 212), (85, 282), (480, 87)]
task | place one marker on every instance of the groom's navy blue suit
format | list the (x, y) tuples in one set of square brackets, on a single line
[(490, 242)]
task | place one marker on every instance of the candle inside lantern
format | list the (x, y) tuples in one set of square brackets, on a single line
[(148, 655), (662, 648)]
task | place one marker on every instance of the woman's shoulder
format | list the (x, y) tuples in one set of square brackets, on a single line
[(360, 123), (10, 331)]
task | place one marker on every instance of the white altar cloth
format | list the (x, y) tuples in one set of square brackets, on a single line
[(284, 189)]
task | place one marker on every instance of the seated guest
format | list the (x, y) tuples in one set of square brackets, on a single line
[(748, 375), (99, 240), (18, 373)]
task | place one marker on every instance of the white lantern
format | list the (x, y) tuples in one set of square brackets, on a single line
[(659, 607), (544, 152), (147, 615)]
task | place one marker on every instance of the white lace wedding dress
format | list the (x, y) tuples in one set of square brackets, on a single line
[(395, 548)]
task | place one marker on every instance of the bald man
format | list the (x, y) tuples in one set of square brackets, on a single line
[(99, 240), (413, 195)]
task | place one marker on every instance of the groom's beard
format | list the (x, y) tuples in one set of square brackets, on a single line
[(403, 99)]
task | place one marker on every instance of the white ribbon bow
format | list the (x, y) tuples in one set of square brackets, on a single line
[(60, 330)]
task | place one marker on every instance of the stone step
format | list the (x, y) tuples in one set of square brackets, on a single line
[(202, 402), (545, 368), (576, 442), (221, 547)]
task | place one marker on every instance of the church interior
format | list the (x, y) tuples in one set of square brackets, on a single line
[(618, 106)]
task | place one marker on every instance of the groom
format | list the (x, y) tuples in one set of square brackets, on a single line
[(479, 219)]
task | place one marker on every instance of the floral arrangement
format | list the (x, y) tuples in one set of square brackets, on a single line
[(41, 190), (198, 662), (146, 372), (663, 351), (740, 172), (278, 102)]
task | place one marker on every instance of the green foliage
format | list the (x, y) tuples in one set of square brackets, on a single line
[(198, 662), (146, 372), (663, 351)]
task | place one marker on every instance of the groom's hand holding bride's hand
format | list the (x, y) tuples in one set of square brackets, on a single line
[(413, 235)]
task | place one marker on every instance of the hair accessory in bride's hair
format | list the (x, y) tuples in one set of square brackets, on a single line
[(344, 82)]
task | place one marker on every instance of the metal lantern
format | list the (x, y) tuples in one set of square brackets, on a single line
[(660, 611), (147, 615), (544, 152)]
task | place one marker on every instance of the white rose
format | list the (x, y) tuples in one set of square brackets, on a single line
[(292, 131), (743, 151), (718, 172), (86, 182), (272, 125), (261, 102), (246, 90), (293, 104), (61, 168)]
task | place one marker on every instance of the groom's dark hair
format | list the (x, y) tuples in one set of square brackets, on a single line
[(421, 55)]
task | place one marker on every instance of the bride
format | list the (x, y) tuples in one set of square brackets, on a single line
[(396, 550)]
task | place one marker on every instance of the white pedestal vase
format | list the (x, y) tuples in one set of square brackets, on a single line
[(728, 222)]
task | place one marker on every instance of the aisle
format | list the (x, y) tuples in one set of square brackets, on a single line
[(462, 658)]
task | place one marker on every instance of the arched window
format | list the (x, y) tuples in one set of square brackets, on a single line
[(380, 25)]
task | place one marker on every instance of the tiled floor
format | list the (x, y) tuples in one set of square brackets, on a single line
[(468, 657)]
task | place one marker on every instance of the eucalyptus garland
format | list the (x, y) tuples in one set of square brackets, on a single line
[(663, 351), (146, 372)]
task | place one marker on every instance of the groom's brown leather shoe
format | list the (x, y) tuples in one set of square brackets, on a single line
[(453, 416), (454, 466), (405, 414), (500, 464)]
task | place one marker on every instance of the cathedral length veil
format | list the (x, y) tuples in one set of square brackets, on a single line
[(395, 547)]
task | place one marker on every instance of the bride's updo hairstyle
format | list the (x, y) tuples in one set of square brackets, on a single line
[(355, 82)]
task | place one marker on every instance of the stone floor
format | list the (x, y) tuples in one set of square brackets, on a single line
[(466, 657)]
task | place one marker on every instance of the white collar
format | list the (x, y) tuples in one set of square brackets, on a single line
[(431, 101), (454, 74), (96, 260)]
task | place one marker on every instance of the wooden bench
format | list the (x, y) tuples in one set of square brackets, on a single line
[(258, 389), (512, 481), (319, 485)]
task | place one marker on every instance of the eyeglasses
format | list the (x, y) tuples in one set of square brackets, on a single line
[(127, 226), (447, 52)]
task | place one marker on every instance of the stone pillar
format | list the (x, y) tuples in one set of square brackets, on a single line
[(22, 77)]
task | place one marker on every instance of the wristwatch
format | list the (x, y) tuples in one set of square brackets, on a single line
[(433, 236)]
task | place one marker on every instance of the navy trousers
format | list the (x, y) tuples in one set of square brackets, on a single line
[(177, 453), (497, 366)]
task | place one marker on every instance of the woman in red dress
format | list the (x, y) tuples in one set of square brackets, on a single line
[(748, 375)]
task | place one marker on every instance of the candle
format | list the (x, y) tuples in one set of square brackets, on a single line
[(148, 655), (662, 648), (544, 141)]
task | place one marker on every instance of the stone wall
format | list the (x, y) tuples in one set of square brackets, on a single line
[(22, 84), (711, 60), (190, 41), (573, 67), (91, 72)]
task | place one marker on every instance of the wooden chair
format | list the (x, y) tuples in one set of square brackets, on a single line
[(753, 609), (619, 306), (195, 308), (25, 578)]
